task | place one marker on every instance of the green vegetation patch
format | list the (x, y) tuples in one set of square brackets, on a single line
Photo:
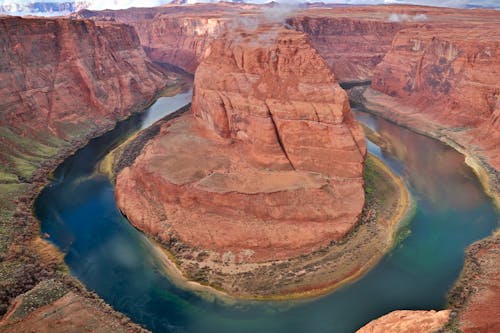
[(376, 186)]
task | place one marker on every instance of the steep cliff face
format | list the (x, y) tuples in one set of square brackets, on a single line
[(180, 40), (451, 77), (178, 35), (277, 96), (267, 166), (351, 46), (63, 79)]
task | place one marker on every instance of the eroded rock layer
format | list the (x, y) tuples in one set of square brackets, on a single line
[(61, 80), (269, 163)]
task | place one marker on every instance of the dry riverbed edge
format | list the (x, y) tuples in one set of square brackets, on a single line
[(305, 276)]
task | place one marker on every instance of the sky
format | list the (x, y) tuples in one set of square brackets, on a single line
[(116, 4)]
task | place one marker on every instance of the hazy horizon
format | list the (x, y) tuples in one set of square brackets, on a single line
[(47, 8)]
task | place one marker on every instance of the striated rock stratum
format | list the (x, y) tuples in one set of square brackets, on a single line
[(267, 165)]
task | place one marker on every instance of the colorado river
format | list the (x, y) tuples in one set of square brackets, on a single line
[(119, 263)]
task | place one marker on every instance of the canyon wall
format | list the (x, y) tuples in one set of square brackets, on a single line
[(63, 79), (180, 40), (351, 40), (449, 77), (62, 82), (178, 35), (351, 46), (268, 164)]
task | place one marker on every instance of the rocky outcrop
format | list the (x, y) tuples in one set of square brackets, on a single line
[(406, 321), (63, 79), (451, 74), (268, 165), (476, 296)]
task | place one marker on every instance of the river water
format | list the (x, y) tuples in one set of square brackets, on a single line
[(77, 209)]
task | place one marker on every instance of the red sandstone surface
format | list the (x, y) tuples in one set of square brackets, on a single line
[(61, 80), (267, 166), (405, 321), (479, 288)]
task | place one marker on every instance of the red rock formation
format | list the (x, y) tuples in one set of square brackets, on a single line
[(405, 321), (352, 45), (178, 35), (269, 164), (477, 293), (450, 79), (181, 39), (352, 40), (61, 80)]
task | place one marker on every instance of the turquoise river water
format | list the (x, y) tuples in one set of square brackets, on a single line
[(77, 209)]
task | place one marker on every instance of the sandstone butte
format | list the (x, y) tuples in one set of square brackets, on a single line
[(62, 82), (267, 165)]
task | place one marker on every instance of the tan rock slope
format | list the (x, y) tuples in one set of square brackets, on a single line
[(404, 321), (52, 307), (267, 166)]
